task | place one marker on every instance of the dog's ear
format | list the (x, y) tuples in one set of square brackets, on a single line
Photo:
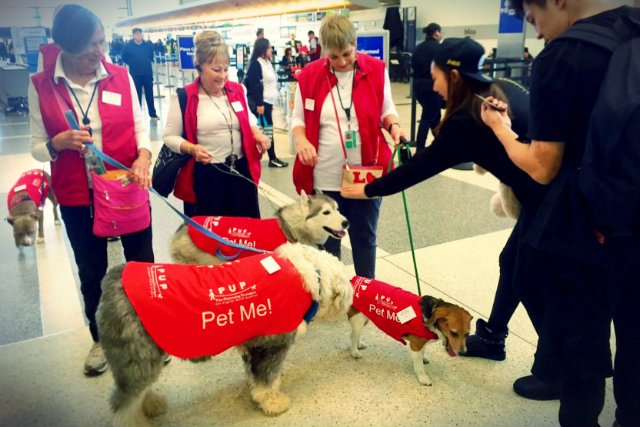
[(319, 192), (428, 305), (304, 199), (9, 219), (34, 216)]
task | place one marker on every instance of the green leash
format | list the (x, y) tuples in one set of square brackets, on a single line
[(404, 145)]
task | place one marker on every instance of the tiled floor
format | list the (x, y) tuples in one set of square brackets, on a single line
[(43, 339)]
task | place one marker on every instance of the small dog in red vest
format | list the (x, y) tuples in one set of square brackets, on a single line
[(25, 202), (407, 317)]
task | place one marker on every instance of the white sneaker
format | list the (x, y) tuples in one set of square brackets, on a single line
[(95, 363)]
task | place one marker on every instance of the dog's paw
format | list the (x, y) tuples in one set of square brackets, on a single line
[(275, 404), (40, 240), (424, 380), (154, 404), (356, 354), (362, 345)]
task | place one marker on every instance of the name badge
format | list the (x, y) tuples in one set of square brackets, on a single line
[(111, 98), (309, 104), (237, 106)]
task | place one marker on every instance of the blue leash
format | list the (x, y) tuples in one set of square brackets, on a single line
[(113, 162)]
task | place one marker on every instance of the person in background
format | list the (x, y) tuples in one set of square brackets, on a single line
[(430, 101), (262, 90), (79, 80), (4, 53), (222, 137), (138, 55), (341, 102), (302, 58), (315, 49), (587, 278), (260, 33), (293, 43)]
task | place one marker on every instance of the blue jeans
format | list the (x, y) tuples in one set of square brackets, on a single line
[(363, 219)]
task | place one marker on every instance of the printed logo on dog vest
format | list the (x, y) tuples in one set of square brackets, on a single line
[(193, 311), (251, 232)]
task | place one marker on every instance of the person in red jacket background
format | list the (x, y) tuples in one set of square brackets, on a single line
[(100, 95), (348, 91)]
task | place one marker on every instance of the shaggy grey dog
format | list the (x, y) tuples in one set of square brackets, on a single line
[(136, 360)]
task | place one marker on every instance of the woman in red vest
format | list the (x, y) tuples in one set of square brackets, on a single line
[(350, 92), (99, 94), (222, 136)]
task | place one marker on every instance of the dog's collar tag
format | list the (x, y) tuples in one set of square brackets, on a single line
[(406, 315)]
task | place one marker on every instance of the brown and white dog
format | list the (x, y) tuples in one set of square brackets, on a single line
[(407, 317), (25, 201)]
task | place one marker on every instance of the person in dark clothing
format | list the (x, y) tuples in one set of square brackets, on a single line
[(586, 284), (4, 53), (262, 91), (138, 55), (315, 49), (430, 101), (462, 137)]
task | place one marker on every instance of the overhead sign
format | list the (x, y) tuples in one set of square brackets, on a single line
[(374, 43), (186, 50)]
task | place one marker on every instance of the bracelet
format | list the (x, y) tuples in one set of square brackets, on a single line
[(393, 124)]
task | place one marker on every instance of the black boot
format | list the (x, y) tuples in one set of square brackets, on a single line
[(530, 387), (485, 343)]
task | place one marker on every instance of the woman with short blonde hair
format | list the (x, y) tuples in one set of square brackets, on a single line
[(337, 32), (341, 102), (220, 134)]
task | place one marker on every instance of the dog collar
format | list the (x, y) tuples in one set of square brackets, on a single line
[(311, 313), (313, 310)]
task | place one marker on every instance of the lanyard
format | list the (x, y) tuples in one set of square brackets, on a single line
[(346, 110), (228, 122), (85, 113)]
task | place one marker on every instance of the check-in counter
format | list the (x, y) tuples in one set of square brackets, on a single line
[(14, 84)]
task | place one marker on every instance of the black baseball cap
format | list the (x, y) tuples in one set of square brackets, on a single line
[(136, 30), (465, 55)]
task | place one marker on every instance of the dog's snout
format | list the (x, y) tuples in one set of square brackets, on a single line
[(345, 224)]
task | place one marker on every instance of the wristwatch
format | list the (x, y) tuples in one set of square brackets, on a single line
[(52, 151)]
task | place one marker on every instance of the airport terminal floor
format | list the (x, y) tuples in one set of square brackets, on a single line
[(44, 339)]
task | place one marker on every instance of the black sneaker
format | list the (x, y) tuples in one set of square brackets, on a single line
[(277, 163), (533, 388)]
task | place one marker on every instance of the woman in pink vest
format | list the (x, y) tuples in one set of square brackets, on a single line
[(222, 136), (99, 94), (341, 102)]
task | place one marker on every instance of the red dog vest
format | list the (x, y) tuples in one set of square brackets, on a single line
[(34, 184), (262, 234), (395, 311), (194, 311)]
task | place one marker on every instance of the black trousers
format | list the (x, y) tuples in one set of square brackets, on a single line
[(268, 115), (90, 253), (221, 192), (431, 103), (146, 83)]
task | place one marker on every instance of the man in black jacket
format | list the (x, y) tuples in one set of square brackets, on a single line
[(430, 101), (138, 55)]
